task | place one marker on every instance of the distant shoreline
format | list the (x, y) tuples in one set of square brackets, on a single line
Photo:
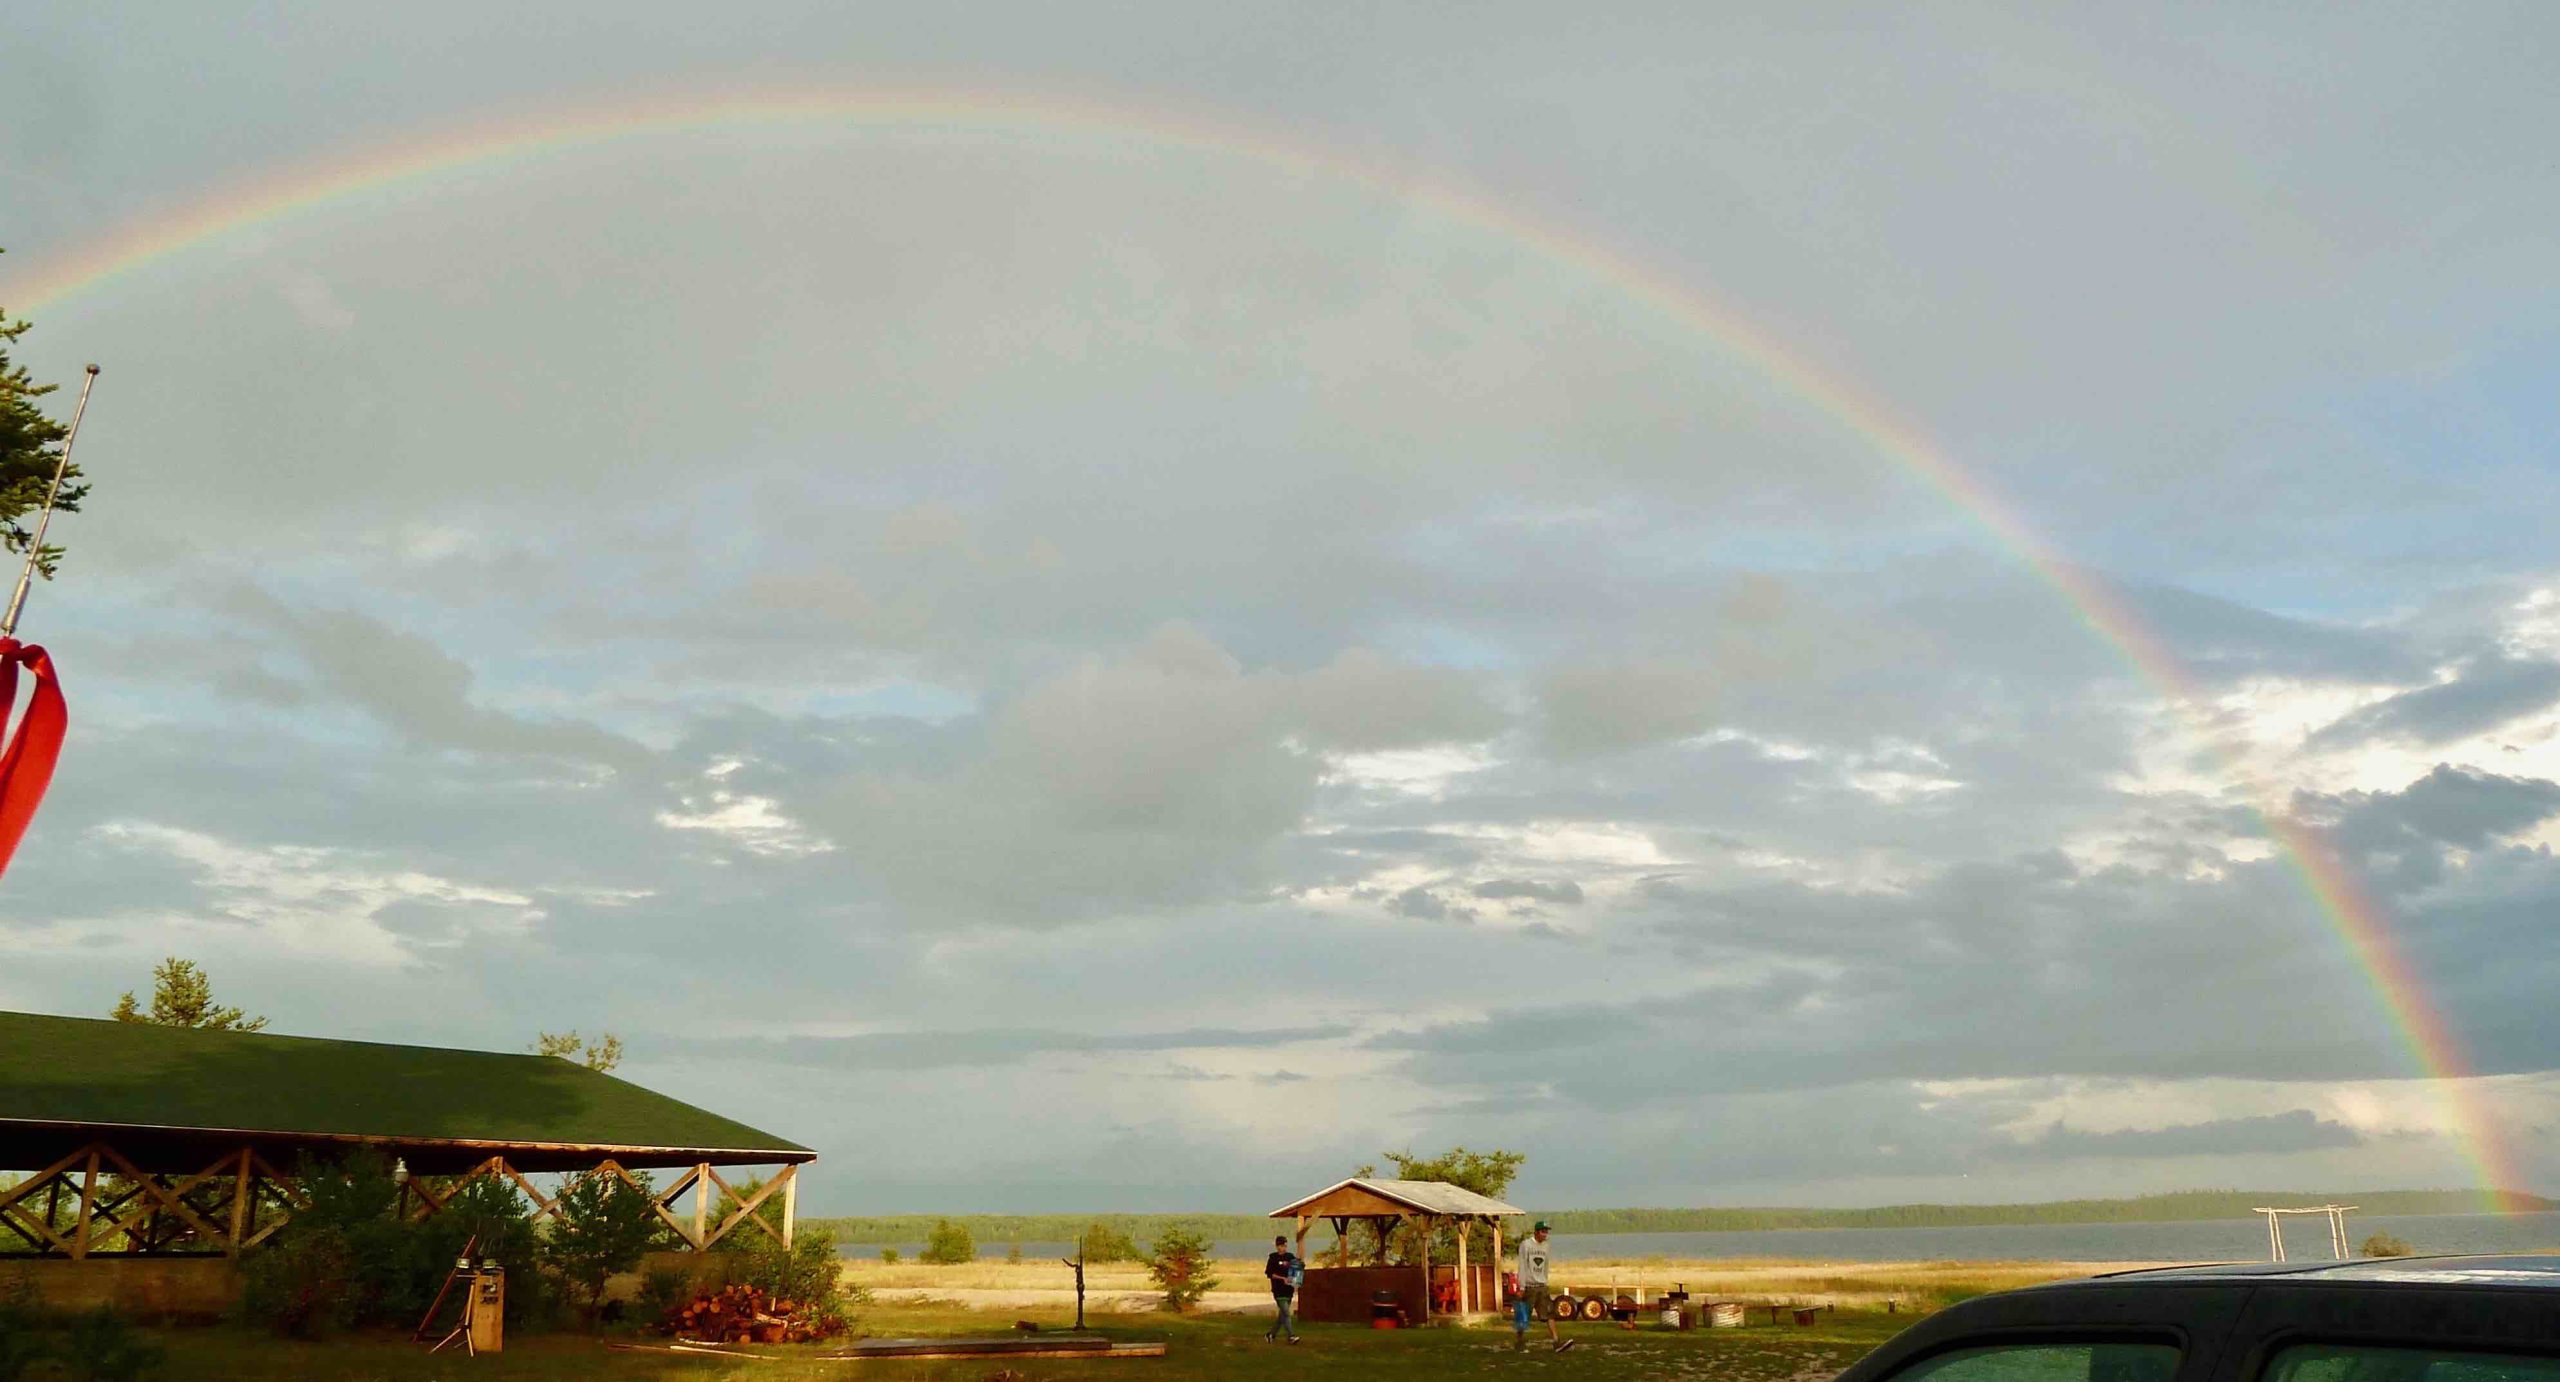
[(2176, 1207)]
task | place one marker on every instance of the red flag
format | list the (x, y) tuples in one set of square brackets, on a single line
[(26, 765)]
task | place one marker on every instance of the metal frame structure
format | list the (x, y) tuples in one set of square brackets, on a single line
[(2336, 1214)]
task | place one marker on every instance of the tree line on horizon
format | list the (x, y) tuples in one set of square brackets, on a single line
[(2169, 1207)]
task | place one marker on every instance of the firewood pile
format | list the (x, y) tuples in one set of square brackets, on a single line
[(746, 1315)]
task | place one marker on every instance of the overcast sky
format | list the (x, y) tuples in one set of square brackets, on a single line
[(1067, 669)]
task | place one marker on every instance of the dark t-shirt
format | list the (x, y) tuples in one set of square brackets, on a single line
[(1277, 1267)]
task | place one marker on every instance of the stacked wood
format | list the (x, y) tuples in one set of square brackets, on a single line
[(747, 1315)]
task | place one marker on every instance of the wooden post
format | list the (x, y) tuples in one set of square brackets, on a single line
[(701, 1205), (790, 1200), (1077, 1262), (240, 1187), (1425, 1255), (1466, 1282), (88, 1197), (1341, 1240)]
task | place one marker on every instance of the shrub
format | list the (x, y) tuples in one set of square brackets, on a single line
[(808, 1270), (348, 1258), (2384, 1245), (302, 1287), (662, 1289), (601, 1225), (1103, 1243), (889, 1257), (103, 1347), (1179, 1263), (1014, 1253), (948, 1245), (21, 1337)]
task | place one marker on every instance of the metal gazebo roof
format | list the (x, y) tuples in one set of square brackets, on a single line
[(1358, 1197)]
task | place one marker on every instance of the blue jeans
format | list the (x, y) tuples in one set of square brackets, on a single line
[(1283, 1325)]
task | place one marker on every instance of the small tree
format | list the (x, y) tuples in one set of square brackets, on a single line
[(1179, 1263), (600, 1055), (182, 996), (602, 1226), (1014, 1253), (2384, 1245), (948, 1245), (1103, 1243), (888, 1257)]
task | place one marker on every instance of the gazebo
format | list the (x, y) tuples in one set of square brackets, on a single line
[(144, 1141), (1343, 1293)]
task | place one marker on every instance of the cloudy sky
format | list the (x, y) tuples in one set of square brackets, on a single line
[(1070, 664)]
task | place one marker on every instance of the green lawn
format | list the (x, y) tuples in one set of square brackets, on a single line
[(1201, 1347)]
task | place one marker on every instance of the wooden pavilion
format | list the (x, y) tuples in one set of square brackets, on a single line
[(1343, 1292), (138, 1140)]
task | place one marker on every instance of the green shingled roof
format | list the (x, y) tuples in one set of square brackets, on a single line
[(57, 1073)]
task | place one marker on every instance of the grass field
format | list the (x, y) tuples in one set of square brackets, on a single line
[(1211, 1345)]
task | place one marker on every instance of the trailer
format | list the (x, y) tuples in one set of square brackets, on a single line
[(1595, 1303)]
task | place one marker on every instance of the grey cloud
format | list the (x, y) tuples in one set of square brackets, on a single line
[(1563, 892), (2221, 639), (1989, 971), (2484, 696), (2300, 1130), (1427, 904), (991, 1046), (1170, 774), (2464, 807), (423, 693), (1363, 699)]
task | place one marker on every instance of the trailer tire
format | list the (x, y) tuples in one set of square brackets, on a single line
[(1564, 1308), (1595, 1309)]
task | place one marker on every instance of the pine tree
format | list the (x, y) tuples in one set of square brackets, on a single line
[(182, 996), (30, 443)]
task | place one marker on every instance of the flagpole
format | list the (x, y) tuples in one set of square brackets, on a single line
[(35, 548)]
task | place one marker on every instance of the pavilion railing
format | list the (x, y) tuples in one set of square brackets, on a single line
[(95, 1202)]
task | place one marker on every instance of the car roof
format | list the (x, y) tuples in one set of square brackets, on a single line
[(2529, 1271)]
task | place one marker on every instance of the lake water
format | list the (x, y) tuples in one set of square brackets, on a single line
[(2202, 1240)]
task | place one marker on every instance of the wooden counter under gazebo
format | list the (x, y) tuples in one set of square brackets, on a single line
[(1343, 1293)]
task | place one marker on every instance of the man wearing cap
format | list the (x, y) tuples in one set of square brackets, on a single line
[(1284, 1271), (1535, 1264)]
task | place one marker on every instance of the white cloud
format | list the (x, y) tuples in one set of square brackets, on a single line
[(753, 823), (327, 904)]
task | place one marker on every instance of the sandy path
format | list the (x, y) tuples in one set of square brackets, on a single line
[(1098, 1302)]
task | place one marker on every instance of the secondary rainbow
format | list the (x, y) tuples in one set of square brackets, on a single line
[(2359, 921)]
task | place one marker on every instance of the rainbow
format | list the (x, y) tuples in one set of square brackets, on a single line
[(2358, 919)]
